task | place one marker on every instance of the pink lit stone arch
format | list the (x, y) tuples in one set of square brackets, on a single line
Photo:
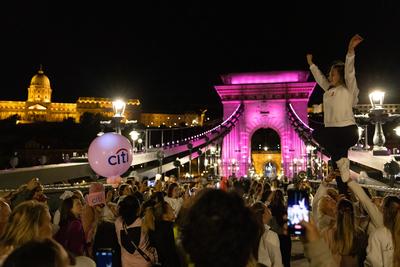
[(264, 96)]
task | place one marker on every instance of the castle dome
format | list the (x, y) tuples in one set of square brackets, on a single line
[(40, 79)]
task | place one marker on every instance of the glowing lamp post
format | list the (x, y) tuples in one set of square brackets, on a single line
[(134, 136), (310, 150), (397, 130), (378, 117), (119, 108)]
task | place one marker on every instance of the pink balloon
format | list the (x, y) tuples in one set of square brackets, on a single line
[(110, 155)]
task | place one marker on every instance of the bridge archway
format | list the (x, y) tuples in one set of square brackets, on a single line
[(265, 97), (266, 152)]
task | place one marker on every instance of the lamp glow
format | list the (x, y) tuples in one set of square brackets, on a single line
[(134, 135), (118, 107), (376, 99), (397, 130)]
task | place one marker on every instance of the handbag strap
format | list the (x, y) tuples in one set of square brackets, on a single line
[(141, 252)]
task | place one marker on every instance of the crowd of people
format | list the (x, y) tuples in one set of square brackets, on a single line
[(231, 222)]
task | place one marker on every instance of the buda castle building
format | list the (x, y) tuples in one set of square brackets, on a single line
[(38, 108)]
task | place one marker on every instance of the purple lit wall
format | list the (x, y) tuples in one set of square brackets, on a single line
[(264, 96)]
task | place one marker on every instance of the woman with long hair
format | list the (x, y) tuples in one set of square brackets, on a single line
[(163, 235), (346, 240), (29, 220), (279, 225), (71, 234), (384, 244), (173, 198), (269, 252), (132, 237)]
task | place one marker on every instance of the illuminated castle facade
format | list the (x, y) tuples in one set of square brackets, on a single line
[(39, 107)]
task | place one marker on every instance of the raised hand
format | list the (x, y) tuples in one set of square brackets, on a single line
[(354, 42), (309, 59), (312, 233)]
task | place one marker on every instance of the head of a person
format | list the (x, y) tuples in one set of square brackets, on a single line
[(278, 200), (345, 227), (219, 230), (158, 186), (129, 209), (110, 193), (125, 189), (336, 74), (38, 194), (158, 196), (262, 212), (71, 208), (5, 211), (333, 193), (173, 190), (79, 194), (30, 220), (391, 211), (43, 253), (164, 212), (327, 206)]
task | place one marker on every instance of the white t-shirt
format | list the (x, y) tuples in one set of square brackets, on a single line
[(339, 100)]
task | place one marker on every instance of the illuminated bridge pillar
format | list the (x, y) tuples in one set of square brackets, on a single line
[(264, 96)]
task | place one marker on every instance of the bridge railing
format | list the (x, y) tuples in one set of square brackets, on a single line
[(49, 174)]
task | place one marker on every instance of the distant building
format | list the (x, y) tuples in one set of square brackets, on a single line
[(172, 120), (39, 107)]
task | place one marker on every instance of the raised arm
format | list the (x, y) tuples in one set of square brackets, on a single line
[(349, 72), (318, 76), (372, 210)]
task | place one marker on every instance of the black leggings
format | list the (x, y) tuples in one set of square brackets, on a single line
[(337, 140)]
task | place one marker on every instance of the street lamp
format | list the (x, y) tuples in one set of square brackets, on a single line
[(134, 136), (140, 141), (309, 149), (378, 117), (397, 130), (118, 106)]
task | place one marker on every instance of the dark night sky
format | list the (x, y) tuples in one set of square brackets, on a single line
[(161, 51)]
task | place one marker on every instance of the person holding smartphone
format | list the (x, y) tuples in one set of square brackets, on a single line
[(298, 210)]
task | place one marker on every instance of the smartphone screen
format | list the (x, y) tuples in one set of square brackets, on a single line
[(151, 183), (104, 258), (298, 210)]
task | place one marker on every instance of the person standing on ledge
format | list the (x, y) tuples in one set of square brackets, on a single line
[(341, 95)]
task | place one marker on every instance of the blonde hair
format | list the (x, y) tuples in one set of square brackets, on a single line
[(391, 220), (346, 232), (323, 208), (24, 223)]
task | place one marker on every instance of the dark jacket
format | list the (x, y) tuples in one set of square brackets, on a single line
[(164, 241), (105, 238)]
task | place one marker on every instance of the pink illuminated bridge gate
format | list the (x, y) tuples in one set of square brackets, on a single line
[(265, 96)]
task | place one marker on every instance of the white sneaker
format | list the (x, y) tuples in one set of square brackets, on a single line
[(344, 168)]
